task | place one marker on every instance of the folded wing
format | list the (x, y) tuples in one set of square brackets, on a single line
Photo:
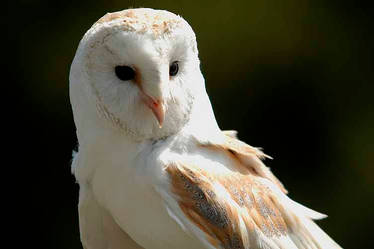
[(247, 208)]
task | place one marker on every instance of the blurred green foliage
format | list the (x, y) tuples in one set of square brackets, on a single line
[(294, 77)]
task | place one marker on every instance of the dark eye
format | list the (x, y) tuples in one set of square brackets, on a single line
[(173, 69), (124, 73)]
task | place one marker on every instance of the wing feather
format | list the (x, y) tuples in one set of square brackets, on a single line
[(245, 209), (248, 157)]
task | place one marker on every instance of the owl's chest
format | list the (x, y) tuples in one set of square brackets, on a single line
[(127, 189)]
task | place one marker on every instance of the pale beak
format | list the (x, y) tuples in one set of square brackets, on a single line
[(157, 107)]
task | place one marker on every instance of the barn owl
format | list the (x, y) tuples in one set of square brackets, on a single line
[(155, 170)]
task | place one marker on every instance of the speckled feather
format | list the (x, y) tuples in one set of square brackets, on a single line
[(247, 197), (242, 208)]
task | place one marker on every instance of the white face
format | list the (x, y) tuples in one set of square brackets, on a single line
[(143, 84)]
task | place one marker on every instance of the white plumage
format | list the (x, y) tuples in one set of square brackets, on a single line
[(154, 169)]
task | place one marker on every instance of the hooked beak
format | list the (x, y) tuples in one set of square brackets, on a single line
[(156, 106)]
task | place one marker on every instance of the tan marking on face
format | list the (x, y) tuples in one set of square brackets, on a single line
[(138, 77), (218, 218), (141, 20)]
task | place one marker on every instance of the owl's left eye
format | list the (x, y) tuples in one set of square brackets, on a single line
[(124, 73), (174, 68)]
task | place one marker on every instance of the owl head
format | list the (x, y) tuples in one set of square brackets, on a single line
[(136, 72)]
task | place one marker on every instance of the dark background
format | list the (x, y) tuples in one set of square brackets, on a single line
[(294, 77)]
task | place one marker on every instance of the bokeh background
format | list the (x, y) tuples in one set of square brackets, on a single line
[(294, 77)]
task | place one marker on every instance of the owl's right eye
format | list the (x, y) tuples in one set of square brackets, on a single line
[(124, 73)]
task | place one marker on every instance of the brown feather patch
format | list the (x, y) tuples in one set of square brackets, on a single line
[(220, 218), (199, 203)]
